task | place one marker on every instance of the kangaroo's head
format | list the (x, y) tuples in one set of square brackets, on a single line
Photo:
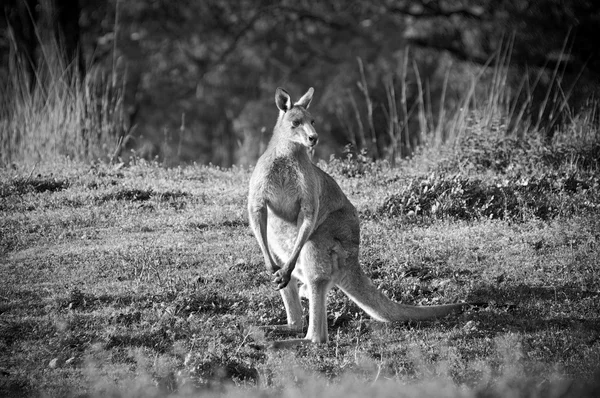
[(295, 122)]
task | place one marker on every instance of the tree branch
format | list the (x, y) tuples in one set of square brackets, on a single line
[(335, 23), (434, 10), (207, 65)]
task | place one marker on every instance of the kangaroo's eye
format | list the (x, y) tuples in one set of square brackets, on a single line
[(295, 123), (312, 122)]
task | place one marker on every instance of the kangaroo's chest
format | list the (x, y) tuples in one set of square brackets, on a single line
[(285, 189)]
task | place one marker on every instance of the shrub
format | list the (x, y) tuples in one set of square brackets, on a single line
[(458, 197), (353, 164)]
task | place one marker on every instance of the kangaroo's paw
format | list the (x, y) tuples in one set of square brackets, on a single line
[(281, 278)]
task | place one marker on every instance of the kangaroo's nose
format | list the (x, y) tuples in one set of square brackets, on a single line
[(313, 139)]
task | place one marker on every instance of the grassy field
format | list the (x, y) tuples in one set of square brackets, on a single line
[(144, 281)]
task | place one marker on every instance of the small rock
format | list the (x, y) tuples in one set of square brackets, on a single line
[(53, 363), (69, 361)]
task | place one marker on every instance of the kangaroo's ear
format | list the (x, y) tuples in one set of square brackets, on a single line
[(306, 98), (283, 100)]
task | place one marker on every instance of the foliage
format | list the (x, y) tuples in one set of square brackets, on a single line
[(491, 174), (545, 197), (480, 148), (353, 164), (136, 279), (196, 79)]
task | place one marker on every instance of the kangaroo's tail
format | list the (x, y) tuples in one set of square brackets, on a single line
[(364, 293)]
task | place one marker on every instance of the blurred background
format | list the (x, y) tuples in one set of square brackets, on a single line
[(194, 81)]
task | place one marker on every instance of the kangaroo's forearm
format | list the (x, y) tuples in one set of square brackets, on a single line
[(258, 223), (306, 229), (269, 261), (309, 215)]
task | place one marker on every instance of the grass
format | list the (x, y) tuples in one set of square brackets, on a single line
[(63, 115), (140, 280), (145, 281)]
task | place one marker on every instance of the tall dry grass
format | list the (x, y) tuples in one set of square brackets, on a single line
[(83, 119), (63, 115), (497, 98)]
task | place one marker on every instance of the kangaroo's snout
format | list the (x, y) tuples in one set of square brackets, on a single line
[(312, 137)]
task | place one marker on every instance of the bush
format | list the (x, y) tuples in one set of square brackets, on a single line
[(458, 197), (353, 164)]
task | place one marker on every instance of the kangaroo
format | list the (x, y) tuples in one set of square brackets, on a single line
[(308, 231)]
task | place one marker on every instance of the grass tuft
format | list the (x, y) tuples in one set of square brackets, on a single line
[(20, 186)]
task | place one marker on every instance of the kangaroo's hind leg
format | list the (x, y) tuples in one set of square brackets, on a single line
[(317, 265), (317, 310), (293, 307), (291, 301)]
